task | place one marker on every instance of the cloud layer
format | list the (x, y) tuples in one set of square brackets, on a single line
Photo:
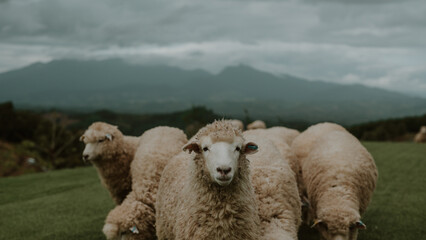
[(377, 43)]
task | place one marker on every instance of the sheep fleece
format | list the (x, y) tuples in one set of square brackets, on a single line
[(191, 206), (338, 172), (275, 186), (157, 147)]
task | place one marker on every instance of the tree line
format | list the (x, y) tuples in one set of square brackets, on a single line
[(33, 141)]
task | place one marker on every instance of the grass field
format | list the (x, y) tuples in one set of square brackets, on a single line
[(71, 204)]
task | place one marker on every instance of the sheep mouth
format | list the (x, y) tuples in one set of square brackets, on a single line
[(224, 181)]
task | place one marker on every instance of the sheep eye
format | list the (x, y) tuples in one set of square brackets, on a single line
[(205, 149), (237, 149), (101, 140)]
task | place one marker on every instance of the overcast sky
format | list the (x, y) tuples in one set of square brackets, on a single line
[(378, 43)]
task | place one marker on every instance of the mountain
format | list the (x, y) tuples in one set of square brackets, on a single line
[(124, 87)]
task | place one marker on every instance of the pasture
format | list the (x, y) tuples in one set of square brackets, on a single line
[(71, 204)]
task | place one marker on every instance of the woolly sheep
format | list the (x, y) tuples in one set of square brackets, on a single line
[(207, 194), (303, 145), (421, 136), (135, 217), (256, 125), (111, 153), (275, 186), (339, 175)]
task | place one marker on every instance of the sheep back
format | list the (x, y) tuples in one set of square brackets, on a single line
[(338, 172), (276, 188)]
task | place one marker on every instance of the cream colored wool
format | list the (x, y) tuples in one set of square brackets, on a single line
[(285, 134), (112, 159), (157, 147), (258, 124), (304, 142), (238, 124), (275, 186), (192, 206), (339, 175), (421, 136), (282, 137)]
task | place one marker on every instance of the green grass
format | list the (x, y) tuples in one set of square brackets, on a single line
[(71, 204), (66, 204)]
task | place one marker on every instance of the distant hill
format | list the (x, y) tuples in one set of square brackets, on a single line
[(123, 87)]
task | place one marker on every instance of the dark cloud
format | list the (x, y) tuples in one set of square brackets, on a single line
[(342, 41), (161, 22), (353, 2)]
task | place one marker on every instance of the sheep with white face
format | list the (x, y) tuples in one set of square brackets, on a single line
[(221, 159), (207, 194)]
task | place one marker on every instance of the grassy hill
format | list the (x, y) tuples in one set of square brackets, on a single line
[(71, 204)]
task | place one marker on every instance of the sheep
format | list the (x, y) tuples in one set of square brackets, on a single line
[(207, 194), (111, 153), (421, 136), (238, 124), (275, 185), (256, 125), (303, 145), (282, 138), (339, 175), (135, 217)]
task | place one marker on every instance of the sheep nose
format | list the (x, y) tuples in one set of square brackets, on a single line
[(223, 170), (85, 157)]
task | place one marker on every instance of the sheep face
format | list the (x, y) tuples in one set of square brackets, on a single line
[(95, 145), (221, 158), (337, 231)]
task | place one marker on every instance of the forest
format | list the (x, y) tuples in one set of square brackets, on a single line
[(43, 140)]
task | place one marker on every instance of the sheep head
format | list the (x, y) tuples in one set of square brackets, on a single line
[(99, 139), (220, 147), (339, 225)]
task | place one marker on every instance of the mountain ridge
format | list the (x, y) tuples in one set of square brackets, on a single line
[(117, 85)]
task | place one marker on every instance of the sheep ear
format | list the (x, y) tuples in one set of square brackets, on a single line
[(108, 136), (360, 225), (82, 138), (193, 146), (316, 222), (251, 148)]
